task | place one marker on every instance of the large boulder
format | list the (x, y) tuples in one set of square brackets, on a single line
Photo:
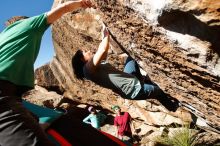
[(176, 42)]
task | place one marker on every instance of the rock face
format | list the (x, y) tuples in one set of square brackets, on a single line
[(44, 77), (177, 42)]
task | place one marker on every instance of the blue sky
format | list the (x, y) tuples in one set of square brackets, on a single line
[(9, 8)]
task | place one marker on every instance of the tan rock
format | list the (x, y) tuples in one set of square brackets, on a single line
[(176, 41)]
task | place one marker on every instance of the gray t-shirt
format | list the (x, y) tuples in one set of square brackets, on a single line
[(107, 76)]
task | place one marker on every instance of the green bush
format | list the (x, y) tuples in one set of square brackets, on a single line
[(181, 137)]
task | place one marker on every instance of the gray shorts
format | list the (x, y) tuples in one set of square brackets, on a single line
[(17, 125)]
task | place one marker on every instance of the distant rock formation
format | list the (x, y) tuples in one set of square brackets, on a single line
[(176, 42), (44, 77)]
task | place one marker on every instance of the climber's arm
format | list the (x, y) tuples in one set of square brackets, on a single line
[(102, 51), (63, 8)]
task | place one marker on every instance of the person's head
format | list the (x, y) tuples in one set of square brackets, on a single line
[(92, 110), (78, 61), (15, 19), (116, 109)]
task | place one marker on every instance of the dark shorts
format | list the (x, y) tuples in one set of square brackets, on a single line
[(17, 125)]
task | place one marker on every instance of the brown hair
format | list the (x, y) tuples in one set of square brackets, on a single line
[(77, 64), (14, 19)]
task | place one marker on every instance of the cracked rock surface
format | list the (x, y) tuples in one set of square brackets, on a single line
[(175, 42)]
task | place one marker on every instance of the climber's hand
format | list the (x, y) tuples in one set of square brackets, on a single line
[(105, 31)]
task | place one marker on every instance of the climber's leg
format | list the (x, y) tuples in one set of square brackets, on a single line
[(154, 92)]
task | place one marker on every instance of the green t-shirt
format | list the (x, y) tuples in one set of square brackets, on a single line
[(19, 47)]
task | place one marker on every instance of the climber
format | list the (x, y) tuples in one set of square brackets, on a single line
[(128, 84), (19, 47), (96, 119), (123, 124)]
